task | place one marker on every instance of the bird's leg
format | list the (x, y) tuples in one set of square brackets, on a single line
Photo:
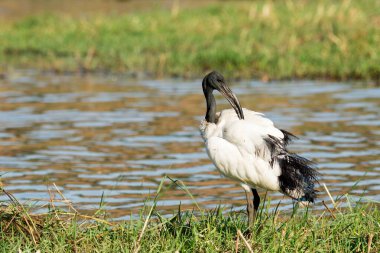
[(256, 203), (250, 210)]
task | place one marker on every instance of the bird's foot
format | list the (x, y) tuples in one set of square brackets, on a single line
[(248, 232)]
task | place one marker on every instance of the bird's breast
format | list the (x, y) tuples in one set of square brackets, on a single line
[(226, 158), (208, 130)]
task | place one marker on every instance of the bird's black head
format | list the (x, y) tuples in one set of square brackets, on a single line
[(215, 81)]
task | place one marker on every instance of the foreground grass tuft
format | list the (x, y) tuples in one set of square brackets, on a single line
[(352, 230), (262, 39)]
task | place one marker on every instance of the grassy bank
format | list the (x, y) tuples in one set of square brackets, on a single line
[(355, 229), (280, 39)]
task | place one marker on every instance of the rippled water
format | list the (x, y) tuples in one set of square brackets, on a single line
[(115, 136)]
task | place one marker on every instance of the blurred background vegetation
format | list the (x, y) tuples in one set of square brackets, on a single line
[(244, 39)]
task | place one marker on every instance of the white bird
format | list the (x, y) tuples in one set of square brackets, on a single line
[(247, 147)]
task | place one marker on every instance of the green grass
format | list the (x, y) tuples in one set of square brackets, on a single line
[(262, 39), (353, 229), (211, 232)]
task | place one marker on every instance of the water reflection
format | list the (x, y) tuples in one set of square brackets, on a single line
[(98, 135)]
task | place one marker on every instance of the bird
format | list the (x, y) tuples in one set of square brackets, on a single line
[(245, 146)]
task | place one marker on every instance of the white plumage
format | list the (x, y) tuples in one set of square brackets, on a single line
[(238, 148), (247, 147)]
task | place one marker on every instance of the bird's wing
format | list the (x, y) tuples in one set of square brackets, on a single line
[(256, 134), (256, 118), (260, 139)]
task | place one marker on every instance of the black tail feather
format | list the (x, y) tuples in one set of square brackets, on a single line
[(298, 175), (288, 137)]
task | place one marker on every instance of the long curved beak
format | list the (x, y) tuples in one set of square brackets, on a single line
[(232, 99)]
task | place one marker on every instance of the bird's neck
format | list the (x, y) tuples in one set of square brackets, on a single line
[(211, 106)]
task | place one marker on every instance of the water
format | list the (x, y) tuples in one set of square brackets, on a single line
[(115, 136)]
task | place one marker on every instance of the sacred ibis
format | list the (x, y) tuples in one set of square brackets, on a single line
[(247, 147)]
